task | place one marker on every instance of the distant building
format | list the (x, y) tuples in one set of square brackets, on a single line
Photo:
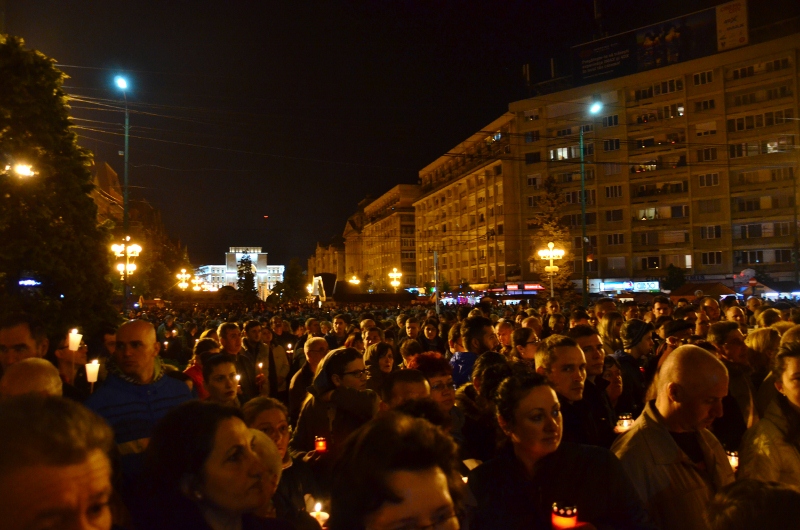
[(266, 276), (328, 258)]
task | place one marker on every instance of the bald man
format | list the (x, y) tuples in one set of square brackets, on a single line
[(31, 376), (135, 395), (674, 461)]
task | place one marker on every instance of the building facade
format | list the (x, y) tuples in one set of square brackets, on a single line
[(388, 240), (468, 211), (692, 165), (266, 276), (329, 259)]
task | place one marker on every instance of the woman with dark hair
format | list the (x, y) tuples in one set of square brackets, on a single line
[(221, 381), (201, 473), (524, 344), (747, 504), (439, 374), (396, 472), (770, 449), (379, 360), (518, 488), (337, 404), (270, 416), (203, 348), (609, 330), (430, 339), (355, 341), (612, 372)]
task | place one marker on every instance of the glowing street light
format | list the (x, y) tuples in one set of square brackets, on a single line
[(594, 109), (354, 280), (551, 254), (126, 250), (310, 288), (183, 276), (197, 283), (122, 84), (395, 276)]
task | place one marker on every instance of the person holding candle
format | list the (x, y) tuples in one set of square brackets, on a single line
[(612, 374), (637, 342), (272, 364), (396, 472), (770, 450), (297, 481), (230, 338), (71, 367), (201, 472), (517, 489), (674, 461)]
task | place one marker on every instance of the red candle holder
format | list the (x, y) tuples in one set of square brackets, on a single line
[(564, 516), (320, 444)]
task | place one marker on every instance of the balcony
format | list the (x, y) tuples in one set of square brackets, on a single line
[(659, 222), (762, 213), (658, 165), (672, 189), (639, 246)]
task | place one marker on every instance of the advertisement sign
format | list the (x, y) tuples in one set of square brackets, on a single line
[(732, 25), (646, 287), (617, 286), (673, 41)]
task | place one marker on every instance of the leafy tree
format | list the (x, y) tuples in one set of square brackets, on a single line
[(48, 223), (675, 278), (549, 227), (246, 278), (293, 285)]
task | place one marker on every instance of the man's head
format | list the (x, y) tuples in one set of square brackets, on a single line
[(662, 306), (137, 348), (370, 336), (691, 385), (412, 327), (54, 466), (728, 339), (603, 306), (592, 346), (230, 338), (312, 327), (31, 376), (630, 310), (562, 362), (252, 330), (404, 385), (578, 317), (339, 326), (636, 337), (21, 337), (753, 303), (477, 334), (503, 330), (276, 323), (711, 307), (736, 314), (702, 324), (552, 306), (315, 348)]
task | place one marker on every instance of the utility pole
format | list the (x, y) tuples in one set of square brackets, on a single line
[(436, 280)]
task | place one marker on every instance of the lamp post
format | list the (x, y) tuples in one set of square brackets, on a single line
[(122, 84), (198, 282), (354, 280), (551, 254), (594, 109), (126, 250), (183, 276), (395, 276)]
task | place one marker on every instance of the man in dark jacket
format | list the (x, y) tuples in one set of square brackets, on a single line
[(637, 342)]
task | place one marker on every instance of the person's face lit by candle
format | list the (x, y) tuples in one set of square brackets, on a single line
[(386, 362), (273, 423), (265, 334), (537, 424), (443, 392), (613, 375), (789, 382), (222, 383)]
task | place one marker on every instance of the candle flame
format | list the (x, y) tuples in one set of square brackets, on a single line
[(95, 361), (318, 507), (74, 331)]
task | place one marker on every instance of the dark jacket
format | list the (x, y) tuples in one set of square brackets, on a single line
[(590, 478), (633, 387), (297, 480), (298, 390), (738, 408), (462, 363), (334, 341), (480, 428), (587, 421)]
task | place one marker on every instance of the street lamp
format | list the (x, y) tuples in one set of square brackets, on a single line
[(395, 276), (183, 276), (354, 280), (594, 109), (122, 84), (551, 254), (126, 250), (198, 282)]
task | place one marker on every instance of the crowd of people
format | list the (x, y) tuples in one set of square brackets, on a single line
[(674, 415)]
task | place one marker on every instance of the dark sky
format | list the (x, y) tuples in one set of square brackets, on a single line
[(298, 110)]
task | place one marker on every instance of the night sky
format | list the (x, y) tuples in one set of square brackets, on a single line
[(298, 110)]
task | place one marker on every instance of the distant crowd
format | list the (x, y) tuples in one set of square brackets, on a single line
[(671, 415)]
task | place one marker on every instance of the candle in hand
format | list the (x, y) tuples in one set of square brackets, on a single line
[(91, 371), (74, 340), (320, 516), (320, 444), (564, 516), (733, 458), (624, 423)]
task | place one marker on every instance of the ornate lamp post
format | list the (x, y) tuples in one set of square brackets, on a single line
[(395, 276), (551, 254), (126, 250), (183, 276)]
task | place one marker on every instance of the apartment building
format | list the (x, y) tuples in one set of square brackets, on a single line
[(692, 164), (387, 238), (468, 211), (327, 258)]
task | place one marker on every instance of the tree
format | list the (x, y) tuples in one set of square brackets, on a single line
[(48, 223), (675, 278), (293, 285), (246, 278), (549, 227)]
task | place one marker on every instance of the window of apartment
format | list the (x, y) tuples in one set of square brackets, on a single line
[(531, 136), (750, 205), (706, 154), (783, 255), (500, 230), (577, 242), (616, 263), (611, 121), (702, 78), (612, 168), (706, 104), (574, 197), (613, 215), (779, 92), (679, 211), (534, 181), (744, 99), (575, 219), (613, 192), (564, 132), (781, 229), (589, 127), (777, 64), (611, 144), (532, 201), (709, 179), (745, 71), (706, 128), (650, 262), (615, 239), (532, 158), (711, 232), (709, 205), (752, 230), (746, 257), (531, 115), (711, 258), (674, 110)]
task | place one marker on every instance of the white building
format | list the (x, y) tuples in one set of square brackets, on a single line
[(266, 276)]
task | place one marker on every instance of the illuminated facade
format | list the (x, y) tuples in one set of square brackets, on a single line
[(266, 276)]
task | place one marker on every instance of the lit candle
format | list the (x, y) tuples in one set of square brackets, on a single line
[(319, 515), (238, 378), (320, 444), (624, 423), (733, 458), (464, 479), (564, 516), (74, 340), (92, 369)]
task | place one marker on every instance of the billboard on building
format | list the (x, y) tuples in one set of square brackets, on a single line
[(673, 41)]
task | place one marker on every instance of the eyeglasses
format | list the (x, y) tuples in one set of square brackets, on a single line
[(357, 373)]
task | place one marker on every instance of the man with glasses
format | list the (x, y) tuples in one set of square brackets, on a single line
[(443, 389)]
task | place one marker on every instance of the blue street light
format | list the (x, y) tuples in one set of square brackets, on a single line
[(121, 82), (594, 108)]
